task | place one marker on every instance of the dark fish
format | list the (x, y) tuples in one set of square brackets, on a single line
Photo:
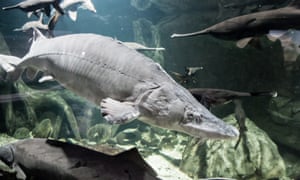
[(245, 27), (187, 76), (211, 97), (36, 5), (51, 159), (257, 3)]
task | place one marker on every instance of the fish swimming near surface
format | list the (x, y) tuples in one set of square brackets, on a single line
[(33, 24), (244, 28), (126, 84), (71, 6), (51, 159), (36, 5), (242, 5), (190, 71)]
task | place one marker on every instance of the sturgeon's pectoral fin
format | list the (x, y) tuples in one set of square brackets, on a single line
[(271, 38), (19, 172), (7, 67), (73, 15), (243, 42), (29, 14), (116, 112)]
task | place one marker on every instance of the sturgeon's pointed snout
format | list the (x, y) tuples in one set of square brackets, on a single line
[(209, 127)]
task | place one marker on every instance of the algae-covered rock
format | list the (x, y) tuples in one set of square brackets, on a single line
[(22, 133), (147, 34), (256, 156), (141, 5), (292, 162), (128, 136), (5, 139), (43, 130), (283, 123), (100, 133)]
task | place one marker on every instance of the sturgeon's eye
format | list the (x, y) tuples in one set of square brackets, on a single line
[(190, 116), (198, 119)]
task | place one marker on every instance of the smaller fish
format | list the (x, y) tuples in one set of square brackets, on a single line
[(211, 97), (140, 47), (34, 6), (246, 27), (187, 76), (257, 3), (33, 24), (71, 6), (181, 78), (190, 71)]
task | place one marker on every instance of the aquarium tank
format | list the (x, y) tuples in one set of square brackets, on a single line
[(150, 89)]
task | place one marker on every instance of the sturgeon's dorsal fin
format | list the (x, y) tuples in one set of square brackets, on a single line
[(37, 34), (19, 172)]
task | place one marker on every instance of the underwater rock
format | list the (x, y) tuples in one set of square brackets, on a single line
[(5, 139), (50, 159), (292, 162), (179, 6), (147, 34), (150, 139), (128, 136), (100, 133), (51, 105), (141, 5), (283, 122), (256, 156), (22, 133), (43, 130), (83, 125)]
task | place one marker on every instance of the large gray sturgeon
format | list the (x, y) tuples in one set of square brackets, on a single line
[(126, 84)]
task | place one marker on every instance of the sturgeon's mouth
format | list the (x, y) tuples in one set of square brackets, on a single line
[(212, 130)]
